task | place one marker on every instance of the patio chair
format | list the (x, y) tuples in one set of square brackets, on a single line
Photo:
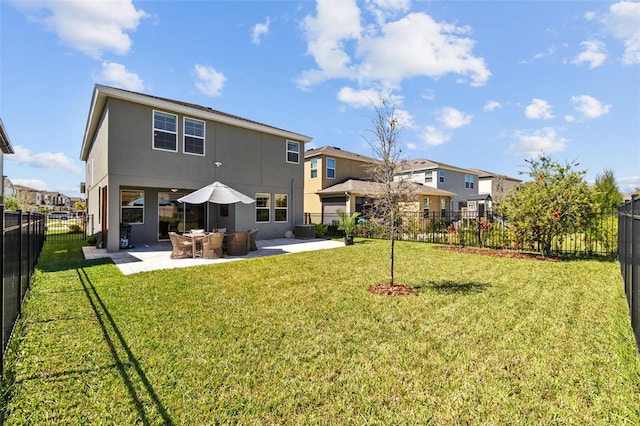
[(212, 246), (182, 246), (253, 234), (236, 243)]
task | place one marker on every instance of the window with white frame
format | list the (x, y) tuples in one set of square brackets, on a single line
[(131, 206), (165, 131), (314, 168), (293, 152), (443, 207), (428, 176), (469, 181), (263, 207), (331, 168), (425, 208), (193, 136), (441, 176), (281, 207)]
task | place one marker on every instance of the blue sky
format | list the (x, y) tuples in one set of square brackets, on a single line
[(478, 84)]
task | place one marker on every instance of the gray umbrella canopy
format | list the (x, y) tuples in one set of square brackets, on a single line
[(218, 193)]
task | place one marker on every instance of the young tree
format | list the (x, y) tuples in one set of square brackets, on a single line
[(556, 201), (606, 192), (384, 143), (11, 203)]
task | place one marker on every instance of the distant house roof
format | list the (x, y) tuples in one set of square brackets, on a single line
[(362, 186), (102, 93), (483, 174), (5, 144), (333, 151), (424, 164)]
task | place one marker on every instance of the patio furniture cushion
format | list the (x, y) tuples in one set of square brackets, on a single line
[(182, 246), (212, 246), (236, 243)]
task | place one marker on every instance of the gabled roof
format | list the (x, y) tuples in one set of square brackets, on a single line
[(424, 164), (102, 93), (333, 151), (5, 144), (362, 186), (483, 174)]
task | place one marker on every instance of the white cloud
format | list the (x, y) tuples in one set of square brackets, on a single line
[(589, 106), (453, 118), (334, 23), (433, 136), (531, 144), (538, 109), (259, 30), (91, 27), (117, 75), (45, 160), (623, 21), (626, 184), (491, 106), (593, 53), (209, 81), (550, 51), (385, 53), (359, 98), (569, 118)]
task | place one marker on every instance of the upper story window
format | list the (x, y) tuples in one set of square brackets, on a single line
[(193, 136), (331, 168), (293, 152), (165, 131), (131, 206), (281, 207), (428, 176), (314, 168), (468, 181), (263, 207), (441, 176)]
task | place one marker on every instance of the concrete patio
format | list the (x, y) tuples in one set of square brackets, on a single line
[(157, 256)]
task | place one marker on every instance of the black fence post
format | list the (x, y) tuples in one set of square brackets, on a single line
[(19, 298)]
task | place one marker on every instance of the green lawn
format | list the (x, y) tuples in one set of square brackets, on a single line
[(297, 339)]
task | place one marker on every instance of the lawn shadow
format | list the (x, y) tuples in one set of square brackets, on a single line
[(114, 338), (455, 287)]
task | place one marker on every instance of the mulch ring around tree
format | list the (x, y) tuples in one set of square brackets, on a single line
[(500, 253), (393, 290)]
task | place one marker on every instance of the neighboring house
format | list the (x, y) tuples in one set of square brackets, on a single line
[(5, 148), (462, 182), (495, 184), (31, 200), (56, 201), (355, 195), (326, 166), (144, 152)]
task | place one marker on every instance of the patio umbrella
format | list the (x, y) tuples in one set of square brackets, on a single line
[(218, 193)]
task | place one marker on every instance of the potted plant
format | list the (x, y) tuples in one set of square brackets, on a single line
[(348, 224)]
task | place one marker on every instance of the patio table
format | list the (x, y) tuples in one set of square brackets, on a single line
[(196, 240)]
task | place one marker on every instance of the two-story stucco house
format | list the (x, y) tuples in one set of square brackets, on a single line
[(143, 152), (495, 184), (462, 182), (336, 179), (325, 167)]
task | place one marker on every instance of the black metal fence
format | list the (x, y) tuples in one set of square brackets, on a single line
[(63, 226), (488, 229), (23, 235), (629, 254)]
